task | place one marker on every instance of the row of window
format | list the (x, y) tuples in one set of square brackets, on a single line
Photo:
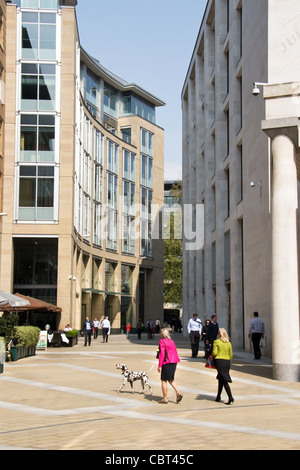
[(35, 4), (116, 103), (107, 220)]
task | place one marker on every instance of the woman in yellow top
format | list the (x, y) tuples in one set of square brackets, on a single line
[(222, 354)]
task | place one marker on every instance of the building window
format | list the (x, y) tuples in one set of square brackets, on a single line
[(38, 87), (146, 222), (110, 276), (36, 192), (35, 267), (128, 165), (97, 240), (112, 211), (110, 100), (38, 35), (128, 226), (98, 182), (91, 90), (112, 156), (37, 138), (46, 4), (98, 155), (146, 171), (86, 217), (126, 279), (128, 209), (147, 142), (98, 187), (126, 134), (132, 104)]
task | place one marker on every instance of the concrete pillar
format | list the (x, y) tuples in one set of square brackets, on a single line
[(285, 287)]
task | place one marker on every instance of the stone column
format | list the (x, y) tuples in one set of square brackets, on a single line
[(285, 287)]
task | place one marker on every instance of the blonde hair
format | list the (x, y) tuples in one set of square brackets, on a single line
[(164, 333), (223, 335)]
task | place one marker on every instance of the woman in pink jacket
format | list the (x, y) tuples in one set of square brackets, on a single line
[(167, 362)]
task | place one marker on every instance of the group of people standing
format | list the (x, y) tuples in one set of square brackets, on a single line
[(218, 346), (91, 328)]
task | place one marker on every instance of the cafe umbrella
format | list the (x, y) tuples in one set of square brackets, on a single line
[(10, 300)]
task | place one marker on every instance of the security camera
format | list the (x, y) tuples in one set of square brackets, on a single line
[(254, 183), (256, 90)]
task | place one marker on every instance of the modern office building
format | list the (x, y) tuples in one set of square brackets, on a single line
[(240, 147), (83, 167)]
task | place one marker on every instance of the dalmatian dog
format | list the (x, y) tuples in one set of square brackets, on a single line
[(131, 376)]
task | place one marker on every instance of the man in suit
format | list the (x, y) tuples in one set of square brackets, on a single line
[(87, 328), (194, 330), (256, 333), (211, 334)]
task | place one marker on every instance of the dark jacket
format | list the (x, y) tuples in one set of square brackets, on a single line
[(212, 332), (84, 325)]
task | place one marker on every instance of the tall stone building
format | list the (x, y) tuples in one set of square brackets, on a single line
[(83, 167), (240, 104)]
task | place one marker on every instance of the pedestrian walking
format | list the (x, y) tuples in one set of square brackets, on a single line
[(128, 327), (222, 354), (96, 325), (150, 329), (211, 334), (105, 325), (256, 333), (139, 327), (194, 330), (87, 329), (206, 344), (167, 363)]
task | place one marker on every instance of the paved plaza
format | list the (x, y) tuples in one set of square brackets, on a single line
[(67, 399)]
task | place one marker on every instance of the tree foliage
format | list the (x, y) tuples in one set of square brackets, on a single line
[(173, 251)]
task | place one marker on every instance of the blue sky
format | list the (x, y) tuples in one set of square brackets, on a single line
[(150, 43)]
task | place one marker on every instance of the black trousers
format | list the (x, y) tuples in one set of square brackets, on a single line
[(195, 338), (105, 334), (256, 337), (87, 337)]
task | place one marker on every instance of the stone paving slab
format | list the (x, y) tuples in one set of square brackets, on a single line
[(67, 399)]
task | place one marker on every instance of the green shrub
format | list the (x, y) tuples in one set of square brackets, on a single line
[(26, 335), (8, 322), (71, 333)]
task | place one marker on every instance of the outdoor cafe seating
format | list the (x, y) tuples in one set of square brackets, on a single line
[(57, 338)]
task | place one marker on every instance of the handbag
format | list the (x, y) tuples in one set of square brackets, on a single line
[(158, 353), (210, 363)]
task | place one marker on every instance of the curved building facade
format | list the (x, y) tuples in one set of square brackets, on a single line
[(83, 170)]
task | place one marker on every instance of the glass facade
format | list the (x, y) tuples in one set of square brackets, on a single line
[(146, 191), (135, 105), (38, 122), (98, 178), (35, 267), (37, 142), (38, 35), (42, 4)]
